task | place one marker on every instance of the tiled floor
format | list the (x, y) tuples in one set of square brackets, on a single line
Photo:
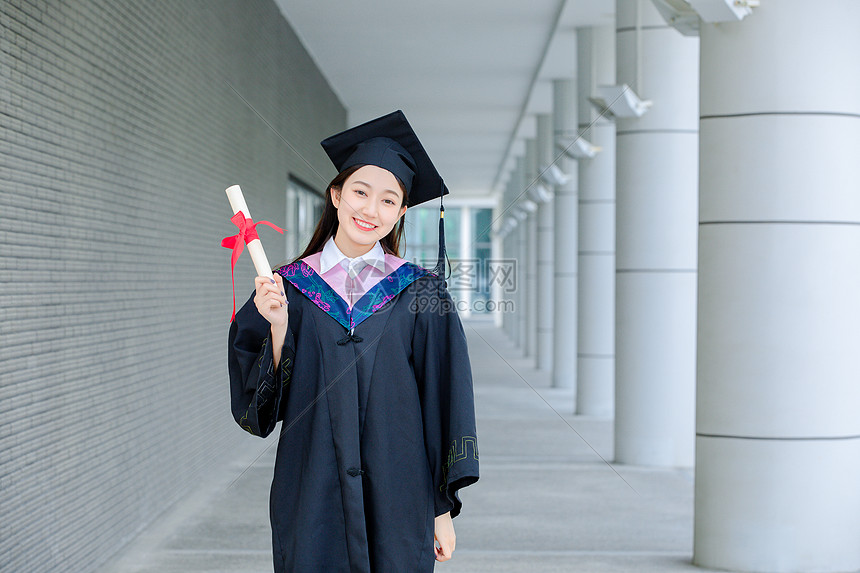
[(547, 500)]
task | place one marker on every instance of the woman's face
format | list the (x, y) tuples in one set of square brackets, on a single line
[(368, 206)]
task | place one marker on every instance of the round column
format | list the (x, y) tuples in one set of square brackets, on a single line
[(595, 381), (521, 262), (513, 256), (497, 253), (509, 319), (566, 239), (545, 250), (530, 262), (778, 396), (467, 256), (657, 191)]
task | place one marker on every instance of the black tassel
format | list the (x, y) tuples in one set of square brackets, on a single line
[(439, 270)]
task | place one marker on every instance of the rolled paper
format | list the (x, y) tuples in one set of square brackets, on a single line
[(255, 247), (247, 236)]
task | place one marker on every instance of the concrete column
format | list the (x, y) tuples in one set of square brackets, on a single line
[(522, 260), (657, 183), (467, 255), (545, 250), (566, 222), (530, 262), (508, 318), (595, 385), (497, 251), (511, 254), (778, 430)]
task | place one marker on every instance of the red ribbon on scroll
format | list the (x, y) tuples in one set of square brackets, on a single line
[(247, 233)]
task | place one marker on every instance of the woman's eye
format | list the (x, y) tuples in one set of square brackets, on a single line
[(360, 192), (389, 201)]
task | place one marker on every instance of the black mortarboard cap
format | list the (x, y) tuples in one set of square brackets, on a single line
[(388, 142)]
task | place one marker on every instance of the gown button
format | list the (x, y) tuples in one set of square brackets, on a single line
[(355, 472)]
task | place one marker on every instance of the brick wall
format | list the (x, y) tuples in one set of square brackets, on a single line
[(118, 135)]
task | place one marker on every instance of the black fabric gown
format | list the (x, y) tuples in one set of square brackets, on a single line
[(378, 420)]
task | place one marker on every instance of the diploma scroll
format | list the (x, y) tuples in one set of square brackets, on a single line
[(255, 247), (247, 236)]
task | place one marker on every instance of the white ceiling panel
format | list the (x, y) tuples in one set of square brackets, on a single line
[(462, 71)]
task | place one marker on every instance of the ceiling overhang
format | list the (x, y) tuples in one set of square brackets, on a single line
[(468, 75)]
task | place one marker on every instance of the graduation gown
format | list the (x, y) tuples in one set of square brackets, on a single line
[(378, 422)]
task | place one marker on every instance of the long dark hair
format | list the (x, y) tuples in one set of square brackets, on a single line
[(327, 225)]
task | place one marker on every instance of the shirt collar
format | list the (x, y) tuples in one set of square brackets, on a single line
[(331, 256)]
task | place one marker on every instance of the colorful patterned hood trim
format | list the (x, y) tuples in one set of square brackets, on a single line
[(313, 286)]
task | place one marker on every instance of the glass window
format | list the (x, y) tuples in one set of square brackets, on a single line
[(482, 225), (468, 257), (304, 208), (422, 235)]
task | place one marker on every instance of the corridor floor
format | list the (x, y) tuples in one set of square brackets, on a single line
[(547, 500)]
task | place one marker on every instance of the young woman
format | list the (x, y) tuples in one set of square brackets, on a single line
[(362, 357)]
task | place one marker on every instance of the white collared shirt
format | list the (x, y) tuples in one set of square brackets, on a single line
[(331, 256)]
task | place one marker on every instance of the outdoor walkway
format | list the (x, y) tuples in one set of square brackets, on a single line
[(546, 501)]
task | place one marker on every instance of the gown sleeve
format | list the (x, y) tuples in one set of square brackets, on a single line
[(444, 376), (256, 384)]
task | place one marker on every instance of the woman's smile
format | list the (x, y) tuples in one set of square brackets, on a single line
[(363, 225)]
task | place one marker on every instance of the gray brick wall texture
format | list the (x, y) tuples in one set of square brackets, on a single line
[(118, 135)]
